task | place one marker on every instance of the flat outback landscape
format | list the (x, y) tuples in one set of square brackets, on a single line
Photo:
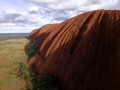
[(11, 53)]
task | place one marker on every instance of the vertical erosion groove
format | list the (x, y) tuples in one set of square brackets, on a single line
[(79, 36)]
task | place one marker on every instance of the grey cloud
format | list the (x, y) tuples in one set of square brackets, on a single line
[(60, 18), (58, 14), (24, 22), (43, 14), (63, 4), (11, 16), (20, 21), (33, 12), (49, 3), (44, 2), (94, 1), (76, 4), (15, 18), (114, 5)]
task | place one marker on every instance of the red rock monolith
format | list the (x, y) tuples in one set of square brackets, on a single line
[(83, 52)]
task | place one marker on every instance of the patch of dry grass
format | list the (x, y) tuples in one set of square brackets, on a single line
[(11, 52)]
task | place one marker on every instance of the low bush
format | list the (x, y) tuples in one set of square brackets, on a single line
[(31, 48), (34, 82)]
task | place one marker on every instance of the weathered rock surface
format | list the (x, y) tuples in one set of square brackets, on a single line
[(82, 52)]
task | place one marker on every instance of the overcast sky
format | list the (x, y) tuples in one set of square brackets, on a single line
[(20, 16)]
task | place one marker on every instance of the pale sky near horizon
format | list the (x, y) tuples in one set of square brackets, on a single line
[(21, 16)]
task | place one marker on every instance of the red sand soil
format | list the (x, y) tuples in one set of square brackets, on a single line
[(83, 52)]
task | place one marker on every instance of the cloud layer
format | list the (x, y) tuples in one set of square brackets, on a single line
[(25, 15), (78, 4)]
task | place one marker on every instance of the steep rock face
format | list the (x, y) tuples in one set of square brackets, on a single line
[(33, 34), (82, 52)]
